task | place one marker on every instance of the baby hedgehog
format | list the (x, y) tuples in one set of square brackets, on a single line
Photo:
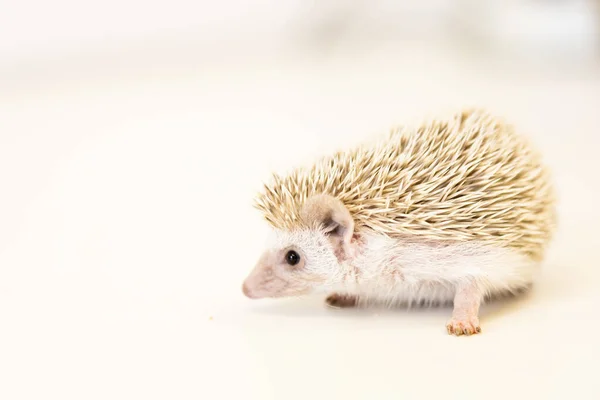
[(459, 210)]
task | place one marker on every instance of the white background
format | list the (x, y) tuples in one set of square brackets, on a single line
[(133, 136)]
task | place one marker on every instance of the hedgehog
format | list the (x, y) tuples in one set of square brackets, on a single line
[(456, 210)]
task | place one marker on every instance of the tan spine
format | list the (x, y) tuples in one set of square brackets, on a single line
[(470, 177)]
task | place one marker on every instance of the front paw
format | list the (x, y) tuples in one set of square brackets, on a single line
[(341, 300), (463, 326)]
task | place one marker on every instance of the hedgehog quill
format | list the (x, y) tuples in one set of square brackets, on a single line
[(457, 210)]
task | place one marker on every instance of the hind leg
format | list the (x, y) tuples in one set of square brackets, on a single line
[(465, 316), (338, 300)]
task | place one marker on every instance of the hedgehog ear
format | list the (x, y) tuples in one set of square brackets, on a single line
[(331, 215)]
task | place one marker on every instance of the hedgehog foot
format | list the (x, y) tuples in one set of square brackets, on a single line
[(464, 319), (337, 300), (468, 326)]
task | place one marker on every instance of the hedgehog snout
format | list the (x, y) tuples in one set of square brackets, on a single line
[(247, 291), (262, 281), (252, 284)]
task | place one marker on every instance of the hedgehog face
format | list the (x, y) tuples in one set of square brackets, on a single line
[(296, 263), (306, 259)]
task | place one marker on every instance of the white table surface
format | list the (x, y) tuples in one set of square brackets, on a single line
[(127, 228)]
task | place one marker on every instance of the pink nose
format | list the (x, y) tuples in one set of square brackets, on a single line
[(247, 291)]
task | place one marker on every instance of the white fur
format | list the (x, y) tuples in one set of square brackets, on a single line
[(411, 270), (315, 247)]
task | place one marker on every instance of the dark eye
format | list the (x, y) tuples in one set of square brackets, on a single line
[(292, 258)]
